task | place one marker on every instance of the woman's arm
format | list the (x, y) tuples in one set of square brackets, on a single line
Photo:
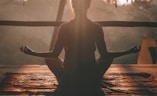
[(52, 54), (29, 51), (118, 54), (101, 45)]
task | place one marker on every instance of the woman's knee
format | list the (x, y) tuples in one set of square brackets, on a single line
[(54, 64)]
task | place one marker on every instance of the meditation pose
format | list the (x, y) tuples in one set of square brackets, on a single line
[(80, 74)]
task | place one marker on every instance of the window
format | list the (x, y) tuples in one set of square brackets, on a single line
[(39, 38)]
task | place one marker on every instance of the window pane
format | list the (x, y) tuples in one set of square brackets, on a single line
[(38, 38)]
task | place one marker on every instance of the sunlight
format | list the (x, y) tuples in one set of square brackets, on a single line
[(70, 4), (21, 1), (119, 2), (129, 2), (124, 2), (33, 69)]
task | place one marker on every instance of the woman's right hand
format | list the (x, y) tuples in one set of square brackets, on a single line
[(26, 50)]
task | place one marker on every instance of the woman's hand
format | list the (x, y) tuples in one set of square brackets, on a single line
[(134, 50), (26, 50)]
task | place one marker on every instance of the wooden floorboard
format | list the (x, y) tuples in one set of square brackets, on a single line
[(120, 80)]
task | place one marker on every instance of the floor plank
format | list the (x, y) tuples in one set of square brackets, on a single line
[(120, 80)]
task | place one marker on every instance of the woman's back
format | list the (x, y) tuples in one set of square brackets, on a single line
[(79, 43)]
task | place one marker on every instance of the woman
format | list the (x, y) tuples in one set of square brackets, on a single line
[(80, 72)]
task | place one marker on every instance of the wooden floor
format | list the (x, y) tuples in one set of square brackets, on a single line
[(120, 80)]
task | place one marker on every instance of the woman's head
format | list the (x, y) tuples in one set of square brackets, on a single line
[(85, 3), (80, 6)]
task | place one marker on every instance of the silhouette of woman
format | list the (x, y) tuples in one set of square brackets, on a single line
[(80, 74)]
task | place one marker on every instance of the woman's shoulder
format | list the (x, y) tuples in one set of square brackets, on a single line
[(94, 24), (97, 25), (65, 24)]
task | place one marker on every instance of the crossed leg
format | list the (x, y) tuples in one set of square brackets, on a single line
[(103, 65), (55, 65)]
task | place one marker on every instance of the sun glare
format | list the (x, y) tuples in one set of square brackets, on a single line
[(124, 2), (119, 2)]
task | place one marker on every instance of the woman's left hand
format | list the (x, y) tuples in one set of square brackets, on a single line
[(135, 49)]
